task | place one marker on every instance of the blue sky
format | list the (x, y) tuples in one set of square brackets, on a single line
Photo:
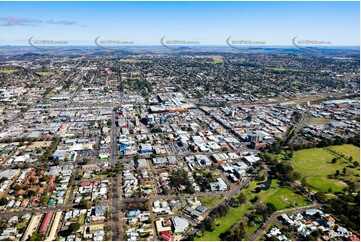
[(209, 23)]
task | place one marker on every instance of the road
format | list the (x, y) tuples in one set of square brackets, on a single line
[(227, 196), (273, 218), (300, 125), (42, 210), (117, 216)]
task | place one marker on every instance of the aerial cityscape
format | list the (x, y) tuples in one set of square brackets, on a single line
[(119, 124)]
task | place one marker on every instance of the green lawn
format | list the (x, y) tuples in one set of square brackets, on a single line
[(135, 78), (324, 183), (290, 70), (258, 222), (348, 150), (102, 176), (314, 120), (8, 71), (22, 224), (284, 198), (316, 168), (216, 59), (44, 73), (134, 60), (81, 220), (315, 162), (233, 216), (210, 202)]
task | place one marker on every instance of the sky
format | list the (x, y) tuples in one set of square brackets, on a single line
[(204, 23)]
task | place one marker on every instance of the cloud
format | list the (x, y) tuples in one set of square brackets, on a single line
[(61, 22), (14, 21)]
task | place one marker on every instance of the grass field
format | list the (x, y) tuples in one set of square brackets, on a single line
[(134, 60), (324, 183), (8, 71), (282, 198), (102, 176), (290, 70), (316, 168), (136, 78), (233, 216), (210, 202), (44, 73), (348, 150), (315, 162), (314, 120), (216, 59)]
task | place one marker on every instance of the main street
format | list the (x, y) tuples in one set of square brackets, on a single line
[(116, 213)]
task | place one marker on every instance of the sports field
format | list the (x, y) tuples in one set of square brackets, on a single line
[(44, 73), (216, 59), (348, 150), (8, 71), (324, 183), (284, 198), (315, 162), (317, 170), (314, 120)]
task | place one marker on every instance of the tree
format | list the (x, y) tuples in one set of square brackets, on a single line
[(334, 160), (31, 193), (45, 178), (17, 187), (86, 161), (74, 227), (45, 200), (236, 233), (271, 208), (85, 204), (316, 234), (337, 173), (344, 170), (352, 187), (3, 201), (241, 198), (209, 224), (233, 203), (35, 237), (109, 122), (320, 196), (255, 199)]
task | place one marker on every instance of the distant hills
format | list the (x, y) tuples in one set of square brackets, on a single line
[(18, 52)]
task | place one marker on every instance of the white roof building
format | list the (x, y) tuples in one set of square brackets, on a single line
[(180, 224)]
